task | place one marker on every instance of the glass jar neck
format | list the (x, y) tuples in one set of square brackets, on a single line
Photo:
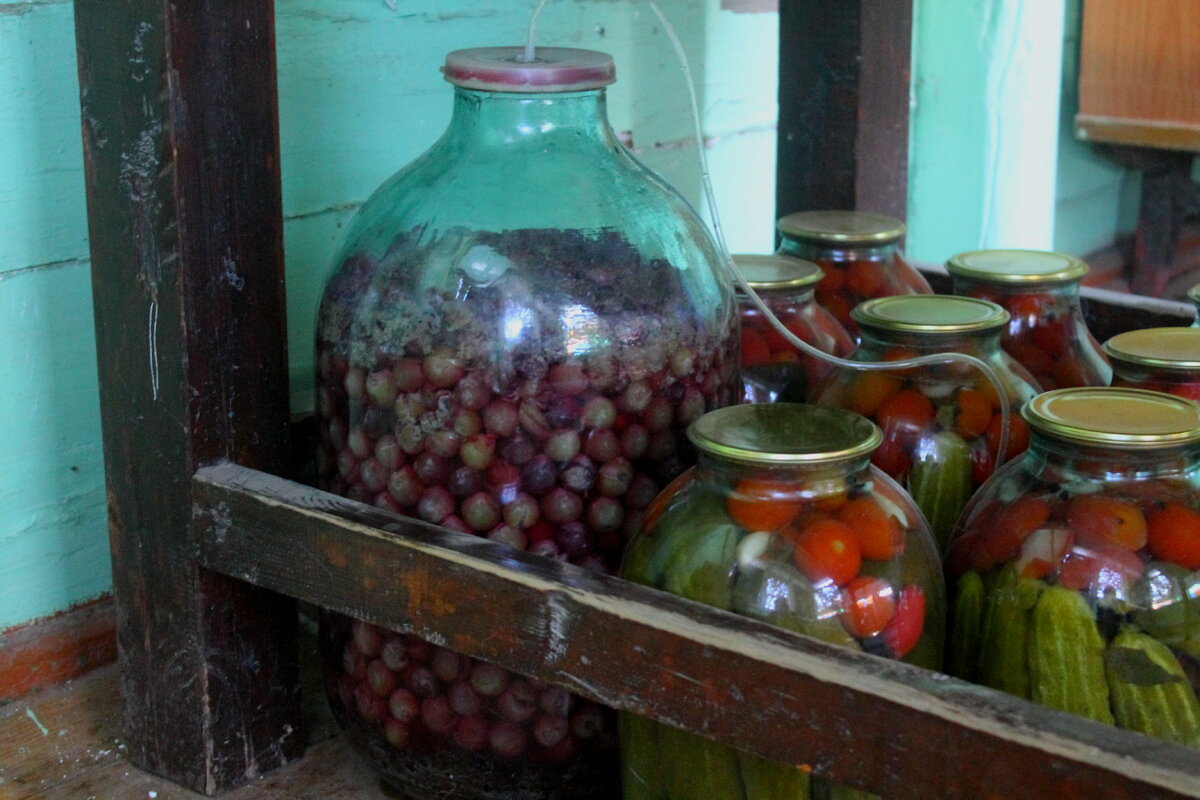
[(512, 120), (1061, 461), (815, 251), (982, 344), (1054, 296), (795, 481)]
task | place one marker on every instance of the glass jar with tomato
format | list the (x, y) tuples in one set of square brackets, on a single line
[(772, 368), (1074, 570), (785, 520), (941, 424), (857, 251), (1040, 291), (1159, 359)]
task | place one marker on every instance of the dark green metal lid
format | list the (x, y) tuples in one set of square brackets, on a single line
[(784, 433), (1113, 417), (771, 272), (841, 227), (930, 313), (1017, 266)]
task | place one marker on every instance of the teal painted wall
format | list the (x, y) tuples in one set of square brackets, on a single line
[(360, 95)]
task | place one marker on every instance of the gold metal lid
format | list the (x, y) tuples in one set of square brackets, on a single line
[(1017, 266), (784, 433), (930, 313), (1170, 348), (777, 271), (841, 227), (1194, 294), (1124, 418)]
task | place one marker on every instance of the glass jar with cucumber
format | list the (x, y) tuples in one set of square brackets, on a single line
[(1074, 569), (942, 424), (785, 520)]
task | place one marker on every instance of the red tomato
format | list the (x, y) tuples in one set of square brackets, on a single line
[(1052, 335), (1032, 306), (827, 552), (762, 504), (870, 604), (1174, 535), (832, 280), (1030, 356), (904, 631), (1042, 552), (755, 350), (880, 535), (905, 415), (865, 279), (982, 462), (1001, 534), (974, 413), (1018, 435), (1107, 519), (1096, 568), (868, 391), (1189, 391), (892, 457)]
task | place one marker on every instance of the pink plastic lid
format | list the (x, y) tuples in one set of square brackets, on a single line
[(554, 69)]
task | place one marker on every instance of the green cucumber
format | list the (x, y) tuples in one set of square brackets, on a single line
[(704, 569), (764, 779), (1174, 613), (1003, 660), (939, 480), (1150, 691), (695, 768), (967, 626), (1066, 656), (687, 516), (641, 761)]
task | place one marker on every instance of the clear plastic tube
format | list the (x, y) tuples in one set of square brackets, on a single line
[(867, 366)]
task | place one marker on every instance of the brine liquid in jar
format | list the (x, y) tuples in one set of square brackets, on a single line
[(772, 368)]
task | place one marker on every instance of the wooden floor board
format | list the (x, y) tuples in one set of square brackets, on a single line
[(65, 743)]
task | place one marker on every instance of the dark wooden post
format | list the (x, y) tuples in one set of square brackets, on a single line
[(180, 138), (844, 68)]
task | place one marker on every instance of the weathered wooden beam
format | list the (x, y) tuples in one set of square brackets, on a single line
[(185, 224), (844, 68), (881, 725)]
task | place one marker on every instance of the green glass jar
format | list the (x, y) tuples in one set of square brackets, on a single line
[(858, 253), (941, 424), (772, 368), (1074, 569), (519, 328), (785, 520), (1046, 332)]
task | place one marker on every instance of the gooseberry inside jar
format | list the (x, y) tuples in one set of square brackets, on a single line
[(1074, 570), (857, 252), (942, 424), (773, 369), (1046, 331), (521, 325), (784, 520), (1158, 359)]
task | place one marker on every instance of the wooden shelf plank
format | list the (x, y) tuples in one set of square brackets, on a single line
[(855, 718)]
